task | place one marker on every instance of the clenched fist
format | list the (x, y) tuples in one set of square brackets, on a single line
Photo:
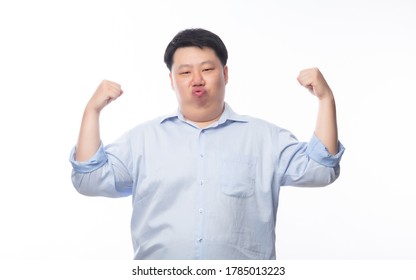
[(314, 81), (106, 92)]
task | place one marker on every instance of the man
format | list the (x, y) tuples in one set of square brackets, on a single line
[(204, 180)]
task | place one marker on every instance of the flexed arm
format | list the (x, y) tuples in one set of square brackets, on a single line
[(89, 135), (326, 125)]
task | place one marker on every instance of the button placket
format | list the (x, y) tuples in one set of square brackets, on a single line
[(200, 180)]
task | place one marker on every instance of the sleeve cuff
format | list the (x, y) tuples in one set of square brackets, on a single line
[(319, 153), (95, 162)]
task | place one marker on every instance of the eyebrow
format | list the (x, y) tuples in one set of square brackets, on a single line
[(190, 65)]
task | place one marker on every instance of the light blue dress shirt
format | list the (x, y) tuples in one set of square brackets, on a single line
[(207, 193)]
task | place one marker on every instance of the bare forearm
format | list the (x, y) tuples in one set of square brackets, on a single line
[(326, 125), (89, 136)]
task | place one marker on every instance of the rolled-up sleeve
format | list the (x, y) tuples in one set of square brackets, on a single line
[(97, 160), (309, 164), (101, 175), (319, 153)]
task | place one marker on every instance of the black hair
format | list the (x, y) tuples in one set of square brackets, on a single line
[(196, 37)]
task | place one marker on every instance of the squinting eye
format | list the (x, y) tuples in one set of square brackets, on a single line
[(184, 73), (208, 69)]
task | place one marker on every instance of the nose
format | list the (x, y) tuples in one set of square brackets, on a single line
[(197, 79)]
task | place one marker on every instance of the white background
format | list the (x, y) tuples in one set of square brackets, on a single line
[(53, 54)]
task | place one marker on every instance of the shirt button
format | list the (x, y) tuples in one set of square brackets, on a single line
[(200, 239), (201, 210), (201, 183), (201, 155)]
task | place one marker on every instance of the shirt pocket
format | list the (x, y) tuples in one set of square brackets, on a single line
[(238, 176)]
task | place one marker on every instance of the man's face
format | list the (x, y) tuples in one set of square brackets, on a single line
[(198, 79)]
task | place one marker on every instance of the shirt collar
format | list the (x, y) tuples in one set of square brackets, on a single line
[(227, 115)]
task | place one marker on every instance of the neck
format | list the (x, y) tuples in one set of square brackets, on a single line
[(203, 119), (205, 124)]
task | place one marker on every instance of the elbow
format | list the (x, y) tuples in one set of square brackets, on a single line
[(100, 183), (327, 176), (82, 184), (315, 175)]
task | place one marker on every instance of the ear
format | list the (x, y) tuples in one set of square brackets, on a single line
[(171, 80), (226, 74)]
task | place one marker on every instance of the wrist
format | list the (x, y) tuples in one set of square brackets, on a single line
[(92, 109), (91, 112), (327, 96)]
